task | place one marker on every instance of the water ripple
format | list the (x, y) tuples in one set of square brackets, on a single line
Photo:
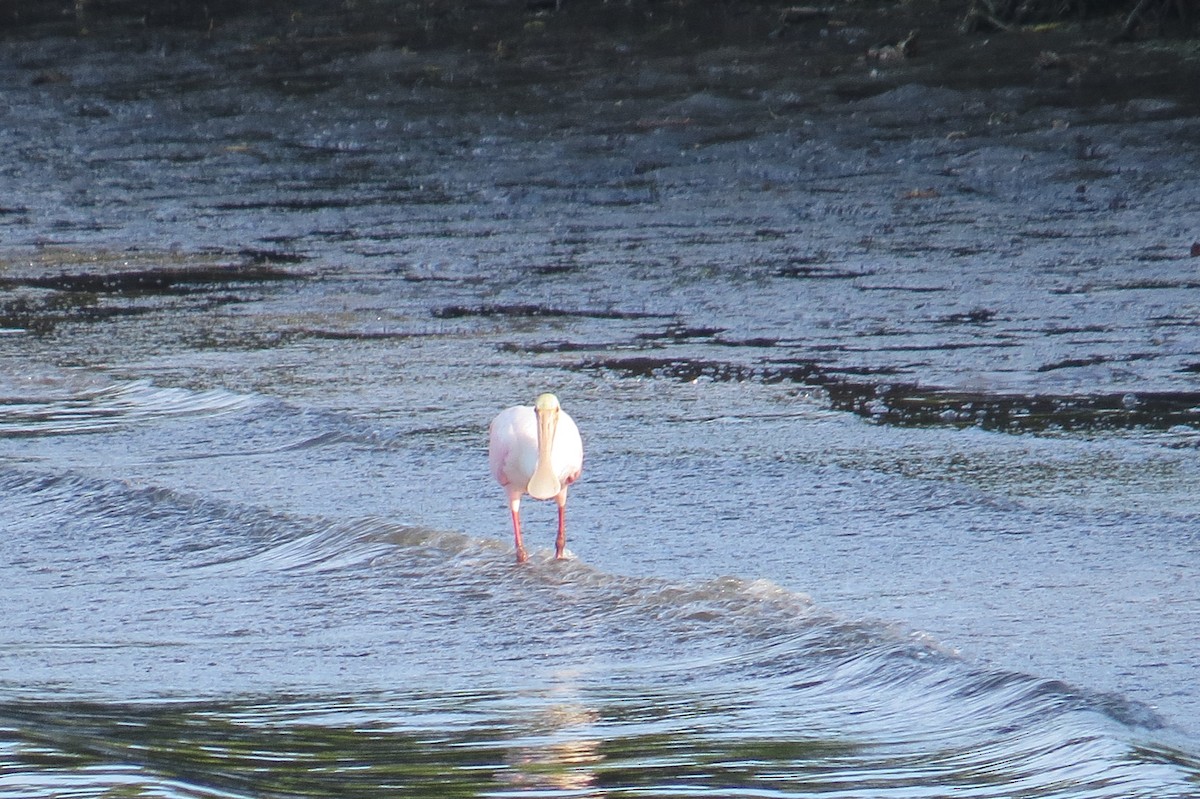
[(73, 407)]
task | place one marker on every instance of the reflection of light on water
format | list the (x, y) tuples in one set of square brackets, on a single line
[(561, 766), (561, 752)]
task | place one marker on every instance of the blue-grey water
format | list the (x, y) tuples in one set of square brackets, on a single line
[(891, 429)]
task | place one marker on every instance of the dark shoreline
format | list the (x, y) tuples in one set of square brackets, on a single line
[(860, 49)]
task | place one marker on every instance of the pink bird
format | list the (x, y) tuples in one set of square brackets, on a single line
[(536, 451)]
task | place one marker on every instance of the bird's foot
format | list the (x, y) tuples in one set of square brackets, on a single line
[(521, 556)]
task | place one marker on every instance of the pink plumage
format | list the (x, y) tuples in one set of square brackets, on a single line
[(536, 451)]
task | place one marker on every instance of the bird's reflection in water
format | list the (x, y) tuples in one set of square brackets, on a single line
[(560, 752)]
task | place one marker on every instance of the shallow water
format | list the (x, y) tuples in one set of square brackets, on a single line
[(891, 435)]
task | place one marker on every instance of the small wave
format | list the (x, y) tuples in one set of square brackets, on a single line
[(61, 406), (347, 545), (727, 625)]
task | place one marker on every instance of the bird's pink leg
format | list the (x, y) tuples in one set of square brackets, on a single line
[(560, 543), (515, 506)]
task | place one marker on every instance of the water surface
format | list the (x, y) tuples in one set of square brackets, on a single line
[(891, 429)]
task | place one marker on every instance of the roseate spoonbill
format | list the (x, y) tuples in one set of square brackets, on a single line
[(536, 451)]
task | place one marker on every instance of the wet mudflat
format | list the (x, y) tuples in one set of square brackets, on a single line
[(887, 372)]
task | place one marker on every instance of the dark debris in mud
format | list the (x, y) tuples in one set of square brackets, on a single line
[(534, 311), (41, 315), (149, 281), (547, 347), (912, 405), (39, 296), (975, 316), (810, 271), (360, 334), (682, 332)]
